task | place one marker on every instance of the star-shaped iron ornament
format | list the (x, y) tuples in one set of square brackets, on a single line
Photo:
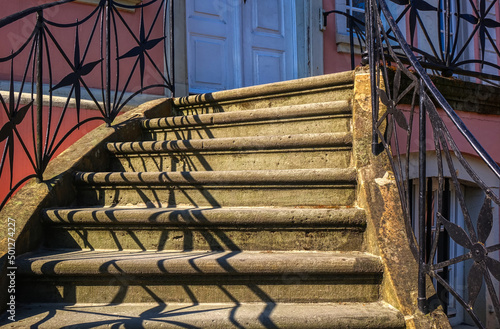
[(414, 6), (482, 23), (483, 264), (144, 44), (75, 78), (392, 110), (15, 115)]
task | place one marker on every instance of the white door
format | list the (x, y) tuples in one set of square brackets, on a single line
[(268, 35), (212, 39), (235, 43)]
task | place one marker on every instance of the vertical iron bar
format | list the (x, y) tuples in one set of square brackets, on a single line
[(108, 63), (447, 32), (370, 47), (39, 98), (172, 50), (422, 300)]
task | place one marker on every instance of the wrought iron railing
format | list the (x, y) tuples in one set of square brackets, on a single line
[(399, 71), (399, 77), (96, 64), (356, 32)]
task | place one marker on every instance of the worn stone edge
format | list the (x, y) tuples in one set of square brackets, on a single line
[(88, 153), (386, 234), (261, 91)]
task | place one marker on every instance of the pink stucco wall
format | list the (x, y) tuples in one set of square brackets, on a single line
[(18, 32), (484, 127), (22, 165), (333, 60), (15, 36)]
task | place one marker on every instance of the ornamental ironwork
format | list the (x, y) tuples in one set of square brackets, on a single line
[(41, 64), (403, 97)]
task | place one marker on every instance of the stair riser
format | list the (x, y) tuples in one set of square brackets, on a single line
[(289, 287), (258, 160), (305, 126), (337, 93), (341, 239), (218, 196)]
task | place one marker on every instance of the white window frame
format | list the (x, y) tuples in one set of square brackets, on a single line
[(342, 33), (124, 2)]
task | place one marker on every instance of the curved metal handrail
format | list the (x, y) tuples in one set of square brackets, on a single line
[(443, 103), (30, 11)]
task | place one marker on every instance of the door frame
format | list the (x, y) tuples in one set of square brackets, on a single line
[(309, 42)]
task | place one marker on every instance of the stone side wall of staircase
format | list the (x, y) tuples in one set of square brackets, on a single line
[(265, 201)]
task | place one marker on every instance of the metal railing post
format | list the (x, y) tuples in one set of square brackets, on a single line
[(108, 63), (372, 61), (39, 98), (172, 49), (422, 163)]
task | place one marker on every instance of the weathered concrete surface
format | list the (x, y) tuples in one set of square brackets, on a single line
[(278, 159), (171, 263), (213, 229), (98, 276), (386, 233), (324, 150), (235, 143), (330, 87), (220, 217), (58, 189), (469, 96), (215, 316), (297, 119), (299, 195), (147, 237), (336, 176), (302, 111), (277, 272), (297, 187)]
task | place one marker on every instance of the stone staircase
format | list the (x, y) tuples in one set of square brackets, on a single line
[(239, 211)]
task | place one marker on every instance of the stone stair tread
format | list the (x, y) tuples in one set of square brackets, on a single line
[(174, 263), (209, 216), (245, 116), (275, 89), (250, 177), (374, 315), (240, 210), (234, 143)]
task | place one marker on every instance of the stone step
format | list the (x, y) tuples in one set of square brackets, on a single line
[(294, 119), (197, 276), (331, 87), (206, 228), (327, 150), (376, 315), (297, 187)]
